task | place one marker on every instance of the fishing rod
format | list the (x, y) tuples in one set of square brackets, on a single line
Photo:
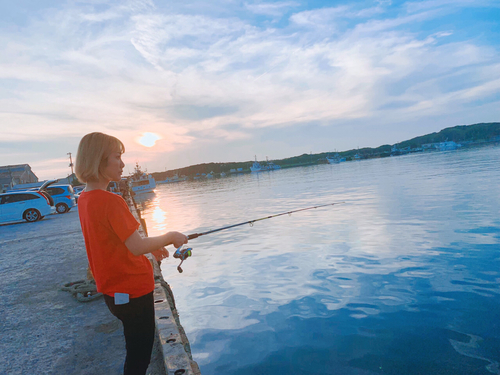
[(184, 253)]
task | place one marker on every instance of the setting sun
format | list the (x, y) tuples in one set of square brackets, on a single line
[(149, 139)]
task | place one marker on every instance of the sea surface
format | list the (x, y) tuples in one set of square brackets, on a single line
[(402, 278)]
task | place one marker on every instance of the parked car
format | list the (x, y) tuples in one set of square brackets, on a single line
[(78, 189), (25, 205), (63, 195)]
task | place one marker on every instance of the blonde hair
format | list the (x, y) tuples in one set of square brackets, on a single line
[(93, 153)]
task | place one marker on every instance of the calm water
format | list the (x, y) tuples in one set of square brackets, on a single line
[(401, 279)]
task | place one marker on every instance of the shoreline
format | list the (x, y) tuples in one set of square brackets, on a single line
[(307, 160)]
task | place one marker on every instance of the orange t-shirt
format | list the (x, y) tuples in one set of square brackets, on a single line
[(106, 223)]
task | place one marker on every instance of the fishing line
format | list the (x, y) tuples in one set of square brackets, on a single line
[(183, 253)]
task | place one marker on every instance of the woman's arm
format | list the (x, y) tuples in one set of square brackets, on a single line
[(139, 245)]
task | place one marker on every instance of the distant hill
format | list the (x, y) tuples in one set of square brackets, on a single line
[(461, 134), (464, 134)]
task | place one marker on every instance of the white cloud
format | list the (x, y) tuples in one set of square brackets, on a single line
[(448, 5), (318, 17), (271, 9)]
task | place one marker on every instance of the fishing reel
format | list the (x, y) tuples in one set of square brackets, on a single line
[(182, 253)]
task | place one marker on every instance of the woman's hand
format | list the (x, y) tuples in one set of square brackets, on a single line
[(177, 239), (160, 254)]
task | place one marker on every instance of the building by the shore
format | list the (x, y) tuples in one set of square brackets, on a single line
[(70, 180), (12, 175)]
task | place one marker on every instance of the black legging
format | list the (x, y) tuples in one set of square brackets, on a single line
[(138, 318)]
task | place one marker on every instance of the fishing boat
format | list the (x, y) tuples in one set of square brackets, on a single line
[(272, 167), (141, 182), (448, 145), (333, 159), (176, 178), (256, 167)]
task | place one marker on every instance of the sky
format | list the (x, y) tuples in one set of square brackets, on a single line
[(228, 80)]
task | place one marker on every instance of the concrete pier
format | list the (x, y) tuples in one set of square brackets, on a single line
[(44, 330)]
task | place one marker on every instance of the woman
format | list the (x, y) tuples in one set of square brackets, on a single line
[(115, 248)]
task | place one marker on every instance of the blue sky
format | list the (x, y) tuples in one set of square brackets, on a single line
[(226, 80)]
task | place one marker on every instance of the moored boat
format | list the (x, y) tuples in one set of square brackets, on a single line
[(272, 167), (448, 145), (175, 178), (333, 159), (257, 167), (141, 182)]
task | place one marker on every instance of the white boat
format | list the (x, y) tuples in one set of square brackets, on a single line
[(272, 167), (141, 182), (256, 167), (176, 178), (450, 145), (333, 160)]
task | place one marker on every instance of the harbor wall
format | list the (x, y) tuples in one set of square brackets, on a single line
[(171, 336)]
